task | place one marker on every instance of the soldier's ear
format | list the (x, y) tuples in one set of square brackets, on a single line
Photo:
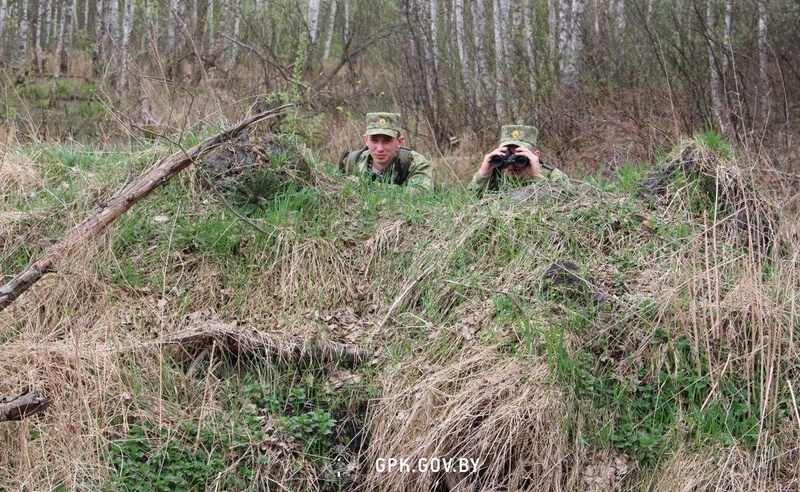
[(400, 139)]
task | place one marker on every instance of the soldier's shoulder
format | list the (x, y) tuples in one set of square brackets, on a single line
[(417, 157)]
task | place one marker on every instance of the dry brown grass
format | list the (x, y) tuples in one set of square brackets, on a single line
[(503, 412), (17, 173), (81, 338), (719, 468)]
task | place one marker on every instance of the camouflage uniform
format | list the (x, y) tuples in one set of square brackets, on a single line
[(521, 136), (420, 171)]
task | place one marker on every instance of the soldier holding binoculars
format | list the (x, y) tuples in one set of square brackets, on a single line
[(515, 160)]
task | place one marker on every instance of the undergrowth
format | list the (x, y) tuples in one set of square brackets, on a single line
[(649, 317)]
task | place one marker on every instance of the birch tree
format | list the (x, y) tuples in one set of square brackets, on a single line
[(552, 33), (113, 22), (433, 46), (571, 38), (234, 14), (763, 61), (331, 28), (39, 30), (312, 19), (19, 64), (210, 26), (481, 64), (49, 28), (500, 28), (461, 41), (717, 101), (172, 25), (99, 35), (64, 37), (727, 56), (127, 26), (3, 7), (527, 20), (619, 11)]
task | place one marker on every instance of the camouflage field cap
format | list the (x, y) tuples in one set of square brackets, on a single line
[(519, 135), (383, 124)]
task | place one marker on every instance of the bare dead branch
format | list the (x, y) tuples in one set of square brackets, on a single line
[(24, 405), (121, 202)]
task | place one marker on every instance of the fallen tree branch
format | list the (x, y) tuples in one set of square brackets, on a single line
[(120, 203), (24, 405), (253, 342)]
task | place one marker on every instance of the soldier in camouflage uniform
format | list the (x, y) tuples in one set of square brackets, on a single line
[(385, 158), (514, 162)]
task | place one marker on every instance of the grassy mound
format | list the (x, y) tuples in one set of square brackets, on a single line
[(595, 338)]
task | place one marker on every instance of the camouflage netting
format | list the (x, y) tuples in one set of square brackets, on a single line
[(248, 172), (701, 179)]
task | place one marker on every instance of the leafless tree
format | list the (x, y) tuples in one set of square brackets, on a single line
[(99, 37), (127, 27), (334, 6), (3, 10), (312, 20), (64, 36), (20, 61), (763, 63)]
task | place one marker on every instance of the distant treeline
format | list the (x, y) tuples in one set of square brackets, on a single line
[(447, 63)]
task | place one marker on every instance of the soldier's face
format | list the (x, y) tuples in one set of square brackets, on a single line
[(382, 148)]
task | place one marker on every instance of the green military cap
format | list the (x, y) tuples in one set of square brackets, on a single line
[(519, 135), (383, 124)]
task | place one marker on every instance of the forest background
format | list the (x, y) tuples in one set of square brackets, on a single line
[(605, 81)]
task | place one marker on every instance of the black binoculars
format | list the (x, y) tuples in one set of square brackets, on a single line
[(509, 159)]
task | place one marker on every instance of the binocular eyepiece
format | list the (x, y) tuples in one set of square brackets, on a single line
[(509, 159)]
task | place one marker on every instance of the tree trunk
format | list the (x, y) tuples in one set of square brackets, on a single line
[(619, 8), (717, 100), (763, 63), (461, 42), (113, 22), (432, 54), (728, 74), (19, 64), (499, 27), (121, 202), (127, 26), (3, 10), (210, 27), (64, 37), (552, 33), (346, 34), (38, 31), (313, 21), (481, 64), (234, 14), (50, 26), (61, 41), (99, 35), (172, 26), (527, 17), (329, 34), (571, 39)]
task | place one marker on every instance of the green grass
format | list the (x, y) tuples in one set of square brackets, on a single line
[(636, 381)]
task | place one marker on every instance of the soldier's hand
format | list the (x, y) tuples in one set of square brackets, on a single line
[(534, 170), (486, 168)]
